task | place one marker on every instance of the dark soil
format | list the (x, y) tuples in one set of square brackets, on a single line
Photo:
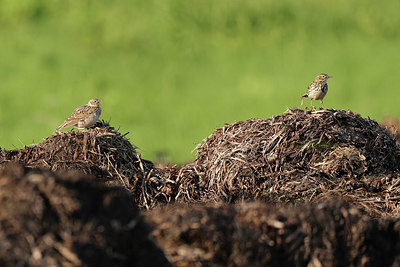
[(70, 220), (259, 234)]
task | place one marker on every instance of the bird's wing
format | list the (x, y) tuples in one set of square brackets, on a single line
[(79, 114), (325, 88), (309, 88)]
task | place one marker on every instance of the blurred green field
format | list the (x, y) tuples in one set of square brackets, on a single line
[(170, 72)]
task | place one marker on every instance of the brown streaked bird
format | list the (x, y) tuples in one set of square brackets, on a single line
[(84, 116), (317, 89)]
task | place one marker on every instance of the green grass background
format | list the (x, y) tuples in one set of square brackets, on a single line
[(171, 71)]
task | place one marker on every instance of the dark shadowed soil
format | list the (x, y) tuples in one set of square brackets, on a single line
[(70, 220), (259, 234)]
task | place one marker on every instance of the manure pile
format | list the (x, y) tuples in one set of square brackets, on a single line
[(70, 220), (260, 234), (101, 151), (298, 156)]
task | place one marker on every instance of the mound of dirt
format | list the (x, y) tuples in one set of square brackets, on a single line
[(50, 220), (101, 151), (259, 234), (300, 155)]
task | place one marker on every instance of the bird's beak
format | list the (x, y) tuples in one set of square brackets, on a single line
[(330, 76)]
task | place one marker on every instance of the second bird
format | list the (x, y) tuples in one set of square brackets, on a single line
[(317, 89), (84, 116)]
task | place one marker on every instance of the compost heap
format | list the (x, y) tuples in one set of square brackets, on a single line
[(100, 151), (298, 156), (70, 220)]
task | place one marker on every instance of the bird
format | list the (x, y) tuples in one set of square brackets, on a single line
[(84, 116), (317, 89)]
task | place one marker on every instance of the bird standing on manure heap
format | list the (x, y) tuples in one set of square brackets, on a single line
[(84, 116), (317, 89)]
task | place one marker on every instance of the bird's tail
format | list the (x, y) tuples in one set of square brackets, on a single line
[(65, 124), (59, 127)]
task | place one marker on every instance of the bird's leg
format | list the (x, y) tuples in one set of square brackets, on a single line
[(322, 103), (312, 107)]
